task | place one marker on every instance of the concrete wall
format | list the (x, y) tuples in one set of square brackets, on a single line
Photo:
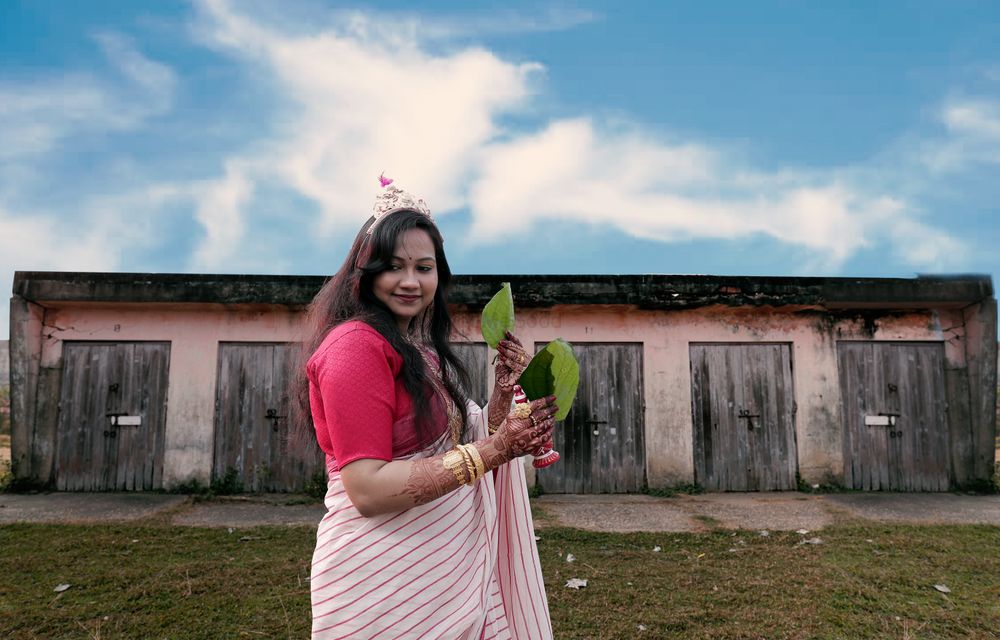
[(196, 330), (25, 355), (4, 363), (4, 386)]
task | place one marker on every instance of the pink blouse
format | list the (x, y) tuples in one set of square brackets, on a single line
[(360, 406)]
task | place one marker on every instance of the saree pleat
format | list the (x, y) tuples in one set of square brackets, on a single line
[(464, 566)]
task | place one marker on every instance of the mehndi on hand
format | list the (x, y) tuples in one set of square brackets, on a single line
[(512, 359), (526, 431)]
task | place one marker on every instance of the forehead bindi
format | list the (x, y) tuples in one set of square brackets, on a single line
[(415, 245)]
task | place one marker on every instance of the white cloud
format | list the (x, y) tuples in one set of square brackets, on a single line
[(972, 136), (157, 81), (218, 211), (973, 118), (652, 189), (38, 114), (362, 105), (367, 94), (42, 242), (925, 247)]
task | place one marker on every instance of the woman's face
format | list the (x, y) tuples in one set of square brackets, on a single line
[(408, 286)]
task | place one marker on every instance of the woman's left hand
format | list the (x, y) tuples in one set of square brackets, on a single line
[(523, 434), (512, 360)]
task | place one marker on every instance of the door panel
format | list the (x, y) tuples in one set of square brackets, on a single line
[(742, 408), (602, 441), (474, 355), (112, 416), (251, 420), (895, 416)]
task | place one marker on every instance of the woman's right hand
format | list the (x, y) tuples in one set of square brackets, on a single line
[(520, 436)]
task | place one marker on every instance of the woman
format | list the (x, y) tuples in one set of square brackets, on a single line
[(427, 531)]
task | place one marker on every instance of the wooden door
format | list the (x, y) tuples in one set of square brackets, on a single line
[(742, 408), (602, 440), (474, 355), (895, 416), (112, 416), (251, 420)]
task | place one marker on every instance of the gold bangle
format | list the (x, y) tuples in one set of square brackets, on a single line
[(454, 461), (470, 466), (478, 459), (473, 464), (493, 428), (522, 410)]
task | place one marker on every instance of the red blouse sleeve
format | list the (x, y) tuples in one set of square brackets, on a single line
[(353, 376)]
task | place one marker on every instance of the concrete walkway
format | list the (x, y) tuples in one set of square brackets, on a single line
[(613, 513), (757, 511)]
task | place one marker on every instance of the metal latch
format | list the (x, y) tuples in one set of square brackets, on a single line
[(744, 414), (881, 420), (272, 415)]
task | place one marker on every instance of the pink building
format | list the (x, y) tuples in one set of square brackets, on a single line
[(143, 381)]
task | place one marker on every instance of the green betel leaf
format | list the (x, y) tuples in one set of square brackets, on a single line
[(553, 371), (566, 375), (536, 380), (498, 316)]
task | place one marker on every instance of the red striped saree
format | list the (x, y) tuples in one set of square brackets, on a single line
[(462, 566)]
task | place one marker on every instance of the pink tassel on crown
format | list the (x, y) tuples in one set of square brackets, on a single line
[(544, 455)]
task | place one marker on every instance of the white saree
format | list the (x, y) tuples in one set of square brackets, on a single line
[(462, 566)]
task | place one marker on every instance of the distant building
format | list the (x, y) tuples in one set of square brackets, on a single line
[(141, 381)]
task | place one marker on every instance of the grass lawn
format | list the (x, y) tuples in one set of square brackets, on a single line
[(158, 581)]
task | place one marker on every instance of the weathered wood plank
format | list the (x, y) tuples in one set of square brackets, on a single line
[(609, 402), (474, 356), (252, 423), (743, 416), (898, 378), (101, 378)]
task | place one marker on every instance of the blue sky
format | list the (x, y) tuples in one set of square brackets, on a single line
[(767, 138)]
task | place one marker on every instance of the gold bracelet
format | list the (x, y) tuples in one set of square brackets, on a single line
[(470, 468), (468, 464), (493, 428), (478, 459), (454, 461)]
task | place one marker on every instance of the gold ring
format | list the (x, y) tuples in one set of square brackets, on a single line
[(522, 410)]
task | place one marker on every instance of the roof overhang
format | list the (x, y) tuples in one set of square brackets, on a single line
[(55, 288)]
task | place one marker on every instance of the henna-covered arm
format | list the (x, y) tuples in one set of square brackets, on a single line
[(511, 362), (499, 405), (377, 486)]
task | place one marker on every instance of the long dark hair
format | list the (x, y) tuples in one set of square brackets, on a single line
[(349, 295)]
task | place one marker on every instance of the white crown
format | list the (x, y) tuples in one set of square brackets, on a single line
[(394, 199)]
